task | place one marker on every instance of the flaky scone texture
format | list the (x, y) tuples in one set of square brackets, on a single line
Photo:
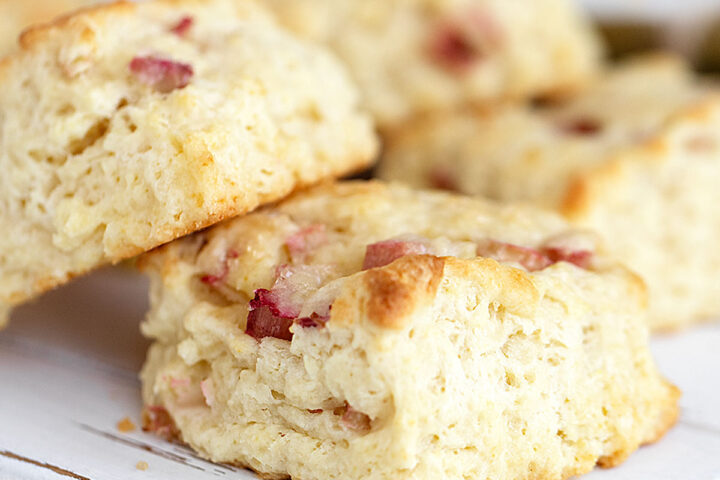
[(410, 56), (129, 125), (15, 16), (367, 331), (637, 158)]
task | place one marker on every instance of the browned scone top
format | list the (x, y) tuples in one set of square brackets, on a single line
[(325, 336)]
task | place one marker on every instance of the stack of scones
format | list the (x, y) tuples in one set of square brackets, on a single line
[(481, 310)]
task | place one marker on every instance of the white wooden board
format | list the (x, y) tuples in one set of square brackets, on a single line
[(68, 374)]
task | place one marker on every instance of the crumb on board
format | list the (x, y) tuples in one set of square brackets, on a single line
[(125, 425), (142, 465)]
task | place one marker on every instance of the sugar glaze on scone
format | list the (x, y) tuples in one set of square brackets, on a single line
[(410, 56), (636, 158), (128, 125), (368, 331)]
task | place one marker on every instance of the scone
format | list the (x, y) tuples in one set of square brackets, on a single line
[(16, 15), (410, 56), (365, 331), (126, 126), (637, 158)]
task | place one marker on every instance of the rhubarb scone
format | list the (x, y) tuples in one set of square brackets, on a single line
[(17, 15), (637, 158), (369, 331), (129, 125), (410, 56)]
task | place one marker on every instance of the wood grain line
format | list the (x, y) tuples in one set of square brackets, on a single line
[(47, 466), (142, 446)]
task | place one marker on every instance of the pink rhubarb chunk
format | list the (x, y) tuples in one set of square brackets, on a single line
[(451, 48), (267, 317), (307, 239), (533, 259), (215, 279), (529, 258), (459, 43), (354, 420), (383, 253), (161, 74), (580, 258), (183, 26)]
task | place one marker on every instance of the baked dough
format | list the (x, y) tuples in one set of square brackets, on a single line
[(129, 125), (369, 331), (636, 158), (411, 56)]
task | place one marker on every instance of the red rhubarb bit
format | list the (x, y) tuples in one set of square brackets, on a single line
[(183, 26), (215, 279), (313, 321), (451, 48), (305, 240), (317, 410), (273, 312), (267, 318), (161, 74), (383, 253), (580, 258), (584, 126), (354, 420), (529, 258), (157, 420), (442, 179), (457, 44)]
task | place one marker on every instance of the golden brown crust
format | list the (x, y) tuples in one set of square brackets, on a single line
[(395, 291), (589, 189), (510, 287)]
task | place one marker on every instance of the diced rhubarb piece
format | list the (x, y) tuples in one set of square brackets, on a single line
[(295, 284), (306, 240), (383, 253), (583, 126), (459, 43), (272, 312), (355, 420), (442, 179), (313, 321), (529, 258), (158, 421), (580, 258), (215, 279), (162, 74), (315, 411), (267, 318), (451, 48), (183, 26)]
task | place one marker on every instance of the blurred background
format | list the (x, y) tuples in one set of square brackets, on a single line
[(690, 27)]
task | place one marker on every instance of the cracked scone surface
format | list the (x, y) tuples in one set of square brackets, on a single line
[(410, 56), (354, 331), (129, 125), (636, 157), (15, 16)]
